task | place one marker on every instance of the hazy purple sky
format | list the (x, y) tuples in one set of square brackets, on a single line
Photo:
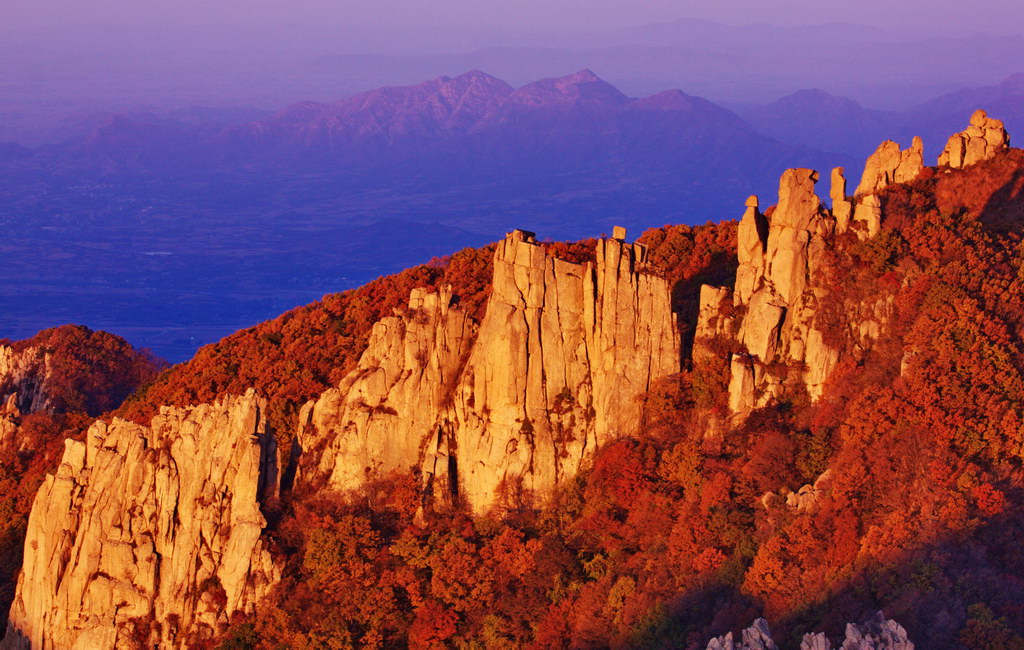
[(939, 16), (60, 57)]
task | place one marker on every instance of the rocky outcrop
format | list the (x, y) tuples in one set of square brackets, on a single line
[(776, 294), (25, 374), (891, 165), (147, 535), (518, 403), (983, 139), (803, 500), (842, 205), (756, 637), (10, 415), (778, 258), (877, 634), (384, 415), (752, 237)]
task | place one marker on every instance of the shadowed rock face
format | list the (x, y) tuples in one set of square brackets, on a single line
[(159, 523), (878, 633), (520, 401)]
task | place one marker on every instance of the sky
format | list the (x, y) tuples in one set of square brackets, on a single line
[(934, 16), (59, 58)]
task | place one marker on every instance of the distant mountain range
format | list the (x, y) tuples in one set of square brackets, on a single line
[(450, 129), (752, 64), (232, 216), (817, 119)]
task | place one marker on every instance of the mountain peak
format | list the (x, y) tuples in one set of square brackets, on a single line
[(580, 87), (815, 97), (586, 75)]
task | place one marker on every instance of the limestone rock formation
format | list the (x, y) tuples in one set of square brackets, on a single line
[(714, 314), (777, 295), (778, 259), (383, 415), (752, 236), (842, 206), (756, 637), (9, 416), (563, 352), (803, 500), (868, 213), (25, 374), (983, 139), (552, 372), (877, 634), (149, 532), (891, 165)]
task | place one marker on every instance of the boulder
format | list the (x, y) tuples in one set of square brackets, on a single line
[(890, 165), (982, 139), (876, 634)]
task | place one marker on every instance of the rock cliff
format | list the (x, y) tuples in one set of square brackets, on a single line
[(149, 535), (516, 403), (983, 138), (25, 375), (384, 417)]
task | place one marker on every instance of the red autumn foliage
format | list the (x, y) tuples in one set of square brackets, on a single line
[(87, 371)]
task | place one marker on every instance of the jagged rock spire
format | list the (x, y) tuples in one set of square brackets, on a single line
[(778, 260)]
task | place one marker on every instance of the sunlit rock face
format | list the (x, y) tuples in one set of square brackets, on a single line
[(384, 415), (774, 332), (891, 165), (776, 294), (515, 404), (149, 534), (982, 139), (778, 259)]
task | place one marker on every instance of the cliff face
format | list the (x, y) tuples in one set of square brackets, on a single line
[(23, 378), (384, 415), (148, 533), (552, 372)]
